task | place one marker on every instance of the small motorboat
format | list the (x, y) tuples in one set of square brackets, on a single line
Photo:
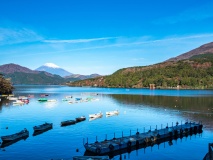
[(52, 100), (68, 97), (79, 119), (12, 98), (43, 127), (112, 113), (18, 102), (30, 96), (42, 99), (96, 115), (68, 122), (91, 157), (17, 136), (44, 95), (78, 99)]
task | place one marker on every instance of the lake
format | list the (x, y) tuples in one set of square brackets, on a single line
[(139, 110)]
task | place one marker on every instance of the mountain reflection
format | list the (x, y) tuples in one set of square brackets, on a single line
[(192, 108)]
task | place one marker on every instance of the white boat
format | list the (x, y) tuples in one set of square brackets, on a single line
[(22, 97), (68, 97), (96, 115), (112, 113), (52, 100), (18, 102), (12, 98)]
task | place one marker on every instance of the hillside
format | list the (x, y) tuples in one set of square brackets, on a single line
[(23, 75), (204, 49), (77, 77), (196, 72)]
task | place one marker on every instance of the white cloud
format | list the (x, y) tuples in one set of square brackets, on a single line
[(79, 40), (21, 35)]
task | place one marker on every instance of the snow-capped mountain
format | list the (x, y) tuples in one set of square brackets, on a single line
[(53, 69)]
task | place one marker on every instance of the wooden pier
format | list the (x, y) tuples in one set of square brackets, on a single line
[(143, 139)]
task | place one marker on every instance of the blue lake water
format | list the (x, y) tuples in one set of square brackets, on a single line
[(139, 109)]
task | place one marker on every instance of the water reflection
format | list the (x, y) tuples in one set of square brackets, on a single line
[(192, 108), (5, 144)]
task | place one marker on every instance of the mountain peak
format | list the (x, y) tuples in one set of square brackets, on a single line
[(51, 65), (53, 69)]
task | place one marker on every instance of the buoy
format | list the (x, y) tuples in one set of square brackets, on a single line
[(77, 150), (7, 127)]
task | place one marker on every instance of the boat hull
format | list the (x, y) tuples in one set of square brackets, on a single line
[(16, 136), (43, 127), (67, 123)]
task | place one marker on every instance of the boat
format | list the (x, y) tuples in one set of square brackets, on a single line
[(42, 99), (44, 95), (18, 102), (68, 97), (91, 158), (78, 99), (52, 100), (96, 115), (12, 98), (43, 127), (22, 97), (79, 119), (112, 113), (25, 101), (13, 137), (30, 96), (68, 122)]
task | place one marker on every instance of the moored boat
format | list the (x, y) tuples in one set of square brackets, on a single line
[(79, 119), (42, 99), (96, 115), (18, 102), (43, 127), (68, 122), (52, 100), (30, 96), (13, 137), (91, 158), (112, 113), (12, 98)]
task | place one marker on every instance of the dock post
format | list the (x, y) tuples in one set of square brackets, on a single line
[(172, 124)]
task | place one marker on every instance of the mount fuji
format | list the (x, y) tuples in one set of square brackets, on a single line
[(53, 69)]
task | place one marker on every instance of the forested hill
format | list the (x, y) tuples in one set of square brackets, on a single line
[(195, 72)]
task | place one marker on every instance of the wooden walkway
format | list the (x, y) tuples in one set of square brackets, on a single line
[(145, 139)]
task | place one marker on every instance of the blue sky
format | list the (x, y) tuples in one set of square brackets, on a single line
[(101, 36)]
